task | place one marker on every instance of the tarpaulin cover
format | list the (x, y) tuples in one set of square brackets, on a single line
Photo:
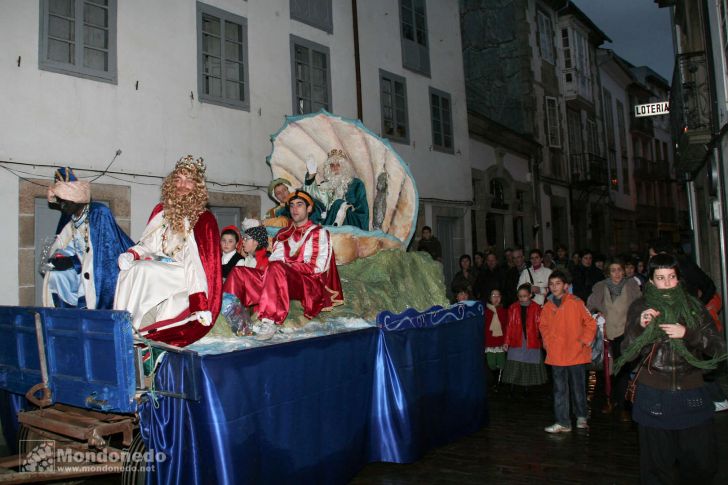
[(317, 410)]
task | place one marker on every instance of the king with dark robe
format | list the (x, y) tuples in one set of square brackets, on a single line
[(81, 271)]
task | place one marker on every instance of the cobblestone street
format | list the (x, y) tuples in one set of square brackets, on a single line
[(514, 449)]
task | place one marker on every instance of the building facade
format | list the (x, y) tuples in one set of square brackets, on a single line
[(159, 80)]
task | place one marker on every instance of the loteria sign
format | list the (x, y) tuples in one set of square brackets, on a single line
[(652, 109)]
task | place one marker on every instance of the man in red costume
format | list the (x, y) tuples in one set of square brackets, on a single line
[(302, 267), (171, 280)]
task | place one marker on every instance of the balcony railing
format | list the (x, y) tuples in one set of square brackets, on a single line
[(690, 109), (641, 167), (646, 213), (641, 125), (661, 170), (588, 168), (667, 215)]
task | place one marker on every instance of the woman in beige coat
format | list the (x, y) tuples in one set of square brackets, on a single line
[(611, 299)]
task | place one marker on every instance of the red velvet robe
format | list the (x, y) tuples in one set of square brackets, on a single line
[(207, 237), (302, 267)]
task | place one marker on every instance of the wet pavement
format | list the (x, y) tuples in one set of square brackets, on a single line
[(514, 449)]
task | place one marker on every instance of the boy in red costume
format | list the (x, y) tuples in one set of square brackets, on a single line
[(302, 267)]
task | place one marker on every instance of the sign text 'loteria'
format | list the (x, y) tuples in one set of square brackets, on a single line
[(652, 109)]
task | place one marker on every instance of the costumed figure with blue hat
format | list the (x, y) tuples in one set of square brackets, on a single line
[(171, 280), (81, 271)]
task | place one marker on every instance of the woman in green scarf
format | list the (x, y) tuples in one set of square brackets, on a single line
[(675, 340)]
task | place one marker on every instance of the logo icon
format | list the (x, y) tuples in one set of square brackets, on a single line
[(40, 457)]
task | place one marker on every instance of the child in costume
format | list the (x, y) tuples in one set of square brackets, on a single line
[(230, 245)]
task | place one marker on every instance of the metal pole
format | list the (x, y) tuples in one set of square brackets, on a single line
[(693, 211), (717, 158)]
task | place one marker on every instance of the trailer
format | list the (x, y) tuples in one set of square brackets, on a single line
[(313, 410)]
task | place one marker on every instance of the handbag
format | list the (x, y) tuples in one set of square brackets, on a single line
[(631, 394)]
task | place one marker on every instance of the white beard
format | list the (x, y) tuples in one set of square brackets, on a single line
[(336, 186)]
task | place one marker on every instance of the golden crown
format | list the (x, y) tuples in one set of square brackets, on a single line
[(337, 153), (190, 163)]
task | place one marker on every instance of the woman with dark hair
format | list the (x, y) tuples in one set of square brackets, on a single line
[(465, 278), (675, 340), (524, 361), (611, 299)]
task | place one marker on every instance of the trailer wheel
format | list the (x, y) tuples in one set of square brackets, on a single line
[(135, 471)]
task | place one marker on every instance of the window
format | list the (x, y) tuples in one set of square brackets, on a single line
[(498, 194), (78, 37), (552, 122), (613, 173), (592, 138), (316, 13), (393, 92), (573, 120), (545, 37), (609, 119), (441, 115), (311, 76), (222, 57), (621, 128), (577, 66), (625, 175), (415, 47)]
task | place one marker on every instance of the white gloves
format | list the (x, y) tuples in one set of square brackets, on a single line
[(341, 214), (125, 261), (204, 317), (311, 165)]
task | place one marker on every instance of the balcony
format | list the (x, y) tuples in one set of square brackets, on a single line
[(577, 84), (661, 170), (642, 126), (587, 168), (667, 215), (646, 213), (690, 110), (642, 167)]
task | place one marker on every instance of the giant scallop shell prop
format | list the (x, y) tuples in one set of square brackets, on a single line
[(315, 135)]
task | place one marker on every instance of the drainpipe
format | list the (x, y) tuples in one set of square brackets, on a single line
[(357, 60), (693, 211), (537, 233)]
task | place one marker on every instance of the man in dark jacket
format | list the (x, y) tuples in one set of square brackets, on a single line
[(490, 277), (511, 275), (585, 275), (430, 244)]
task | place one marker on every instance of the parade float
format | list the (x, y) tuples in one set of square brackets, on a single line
[(392, 372)]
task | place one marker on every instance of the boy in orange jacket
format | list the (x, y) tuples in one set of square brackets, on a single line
[(568, 330)]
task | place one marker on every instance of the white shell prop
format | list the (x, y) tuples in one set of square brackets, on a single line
[(315, 135)]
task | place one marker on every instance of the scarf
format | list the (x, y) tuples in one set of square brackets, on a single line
[(615, 289), (495, 324), (674, 305)]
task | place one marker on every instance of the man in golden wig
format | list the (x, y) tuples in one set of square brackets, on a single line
[(171, 280)]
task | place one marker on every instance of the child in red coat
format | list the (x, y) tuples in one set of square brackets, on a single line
[(524, 364), (496, 319)]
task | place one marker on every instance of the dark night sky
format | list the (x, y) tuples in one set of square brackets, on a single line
[(640, 31)]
